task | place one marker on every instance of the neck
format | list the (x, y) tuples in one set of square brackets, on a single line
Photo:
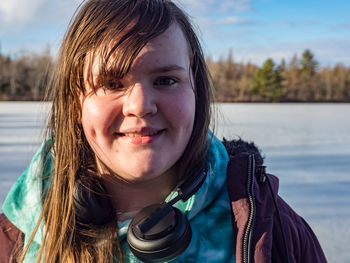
[(128, 197)]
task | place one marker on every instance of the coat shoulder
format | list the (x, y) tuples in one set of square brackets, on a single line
[(301, 241), (11, 240)]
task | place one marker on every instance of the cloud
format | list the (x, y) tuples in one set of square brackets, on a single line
[(17, 15), (213, 24), (343, 26), (207, 7), (18, 11), (234, 20), (328, 52), (238, 6)]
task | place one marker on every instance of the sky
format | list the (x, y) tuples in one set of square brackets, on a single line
[(252, 30)]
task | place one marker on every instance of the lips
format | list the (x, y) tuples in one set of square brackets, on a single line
[(142, 134), (140, 137)]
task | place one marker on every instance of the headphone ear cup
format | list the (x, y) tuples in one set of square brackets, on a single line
[(159, 233), (91, 204)]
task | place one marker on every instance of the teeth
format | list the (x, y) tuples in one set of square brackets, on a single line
[(139, 134)]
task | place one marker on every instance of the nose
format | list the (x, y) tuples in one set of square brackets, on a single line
[(139, 101)]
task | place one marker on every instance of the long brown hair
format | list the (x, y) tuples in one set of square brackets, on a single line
[(107, 26)]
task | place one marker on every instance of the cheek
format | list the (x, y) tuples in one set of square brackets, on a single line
[(182, 110), (97, 116)]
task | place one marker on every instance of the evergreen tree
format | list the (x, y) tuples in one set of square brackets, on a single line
[(308, 65), (268, 82)]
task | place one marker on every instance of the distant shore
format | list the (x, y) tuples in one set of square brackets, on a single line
[(224, 101), (300, 80)]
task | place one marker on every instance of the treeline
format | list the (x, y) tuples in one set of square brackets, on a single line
[(299, 80), (25, 77)]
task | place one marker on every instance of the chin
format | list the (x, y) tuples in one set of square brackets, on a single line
[(145, 176)]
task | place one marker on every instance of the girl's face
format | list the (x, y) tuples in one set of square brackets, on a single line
[(139, 126)]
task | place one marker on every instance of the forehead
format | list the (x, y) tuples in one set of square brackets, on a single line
[(169, 48)]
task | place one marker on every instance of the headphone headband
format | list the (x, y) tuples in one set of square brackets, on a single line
[(191, 185), (158, 232)]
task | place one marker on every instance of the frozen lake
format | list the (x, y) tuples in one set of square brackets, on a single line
[(306, 145)]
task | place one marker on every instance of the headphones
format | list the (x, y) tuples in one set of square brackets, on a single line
[(157, 233)]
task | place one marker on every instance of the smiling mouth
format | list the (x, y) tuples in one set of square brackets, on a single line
[(140, 134)]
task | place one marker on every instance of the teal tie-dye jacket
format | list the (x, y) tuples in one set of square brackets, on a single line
[(208, 211)]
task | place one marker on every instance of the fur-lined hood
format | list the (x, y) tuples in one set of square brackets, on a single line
[(235, 147)]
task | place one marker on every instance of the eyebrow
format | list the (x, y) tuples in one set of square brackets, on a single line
[(162, 69), (168, 68)]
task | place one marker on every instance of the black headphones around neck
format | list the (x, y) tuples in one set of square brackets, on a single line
[(157, 233)]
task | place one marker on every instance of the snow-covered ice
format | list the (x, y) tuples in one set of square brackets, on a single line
[(306, 145)]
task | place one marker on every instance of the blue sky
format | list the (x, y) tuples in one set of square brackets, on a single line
[(253, 29)]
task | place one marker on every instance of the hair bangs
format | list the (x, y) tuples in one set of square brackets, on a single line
[(118, 45)]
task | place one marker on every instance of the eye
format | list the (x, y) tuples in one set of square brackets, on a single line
[(110, 87), (113, 85), (164, 81)]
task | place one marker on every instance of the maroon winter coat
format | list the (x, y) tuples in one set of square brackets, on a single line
[(257, 230), (258, 236)]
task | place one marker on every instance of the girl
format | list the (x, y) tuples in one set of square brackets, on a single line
[(130, 171)]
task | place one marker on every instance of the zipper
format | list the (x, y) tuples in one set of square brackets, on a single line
[(248, 233)]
